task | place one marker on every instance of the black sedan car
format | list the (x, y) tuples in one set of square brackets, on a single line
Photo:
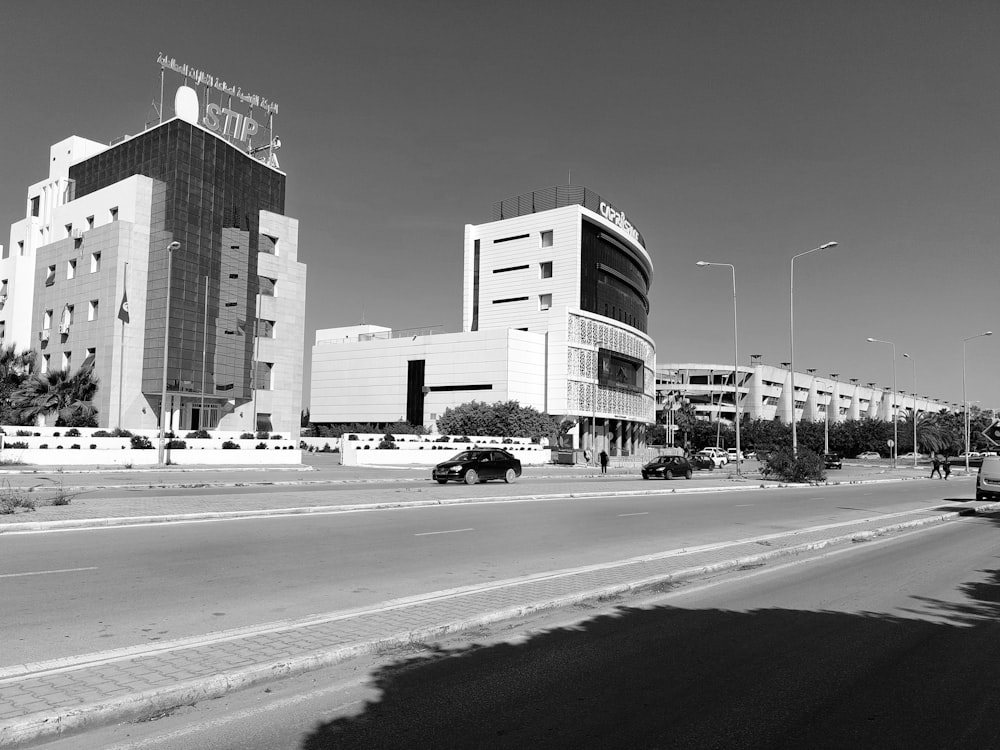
[(479, 465), (832, 461), (667, 467)]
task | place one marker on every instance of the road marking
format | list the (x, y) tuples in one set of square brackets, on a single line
[(452, 531), (623, 515), (745, 505), (44, 572)]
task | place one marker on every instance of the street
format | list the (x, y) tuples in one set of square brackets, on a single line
[(74, 592), (886, 644)]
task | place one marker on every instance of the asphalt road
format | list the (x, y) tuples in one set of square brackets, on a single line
[(76, 592), (889, 644)]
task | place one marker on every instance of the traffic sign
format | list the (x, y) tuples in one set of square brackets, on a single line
[(992, 433), (890, 442)]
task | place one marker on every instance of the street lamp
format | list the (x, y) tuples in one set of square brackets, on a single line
[(895, 425), (791, 334), (736, 360), (166, 348), (965, 400), (914, 363)]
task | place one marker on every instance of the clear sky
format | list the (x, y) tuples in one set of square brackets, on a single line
[(728, 131)]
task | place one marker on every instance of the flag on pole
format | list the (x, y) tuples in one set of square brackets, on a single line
[(123, 309)]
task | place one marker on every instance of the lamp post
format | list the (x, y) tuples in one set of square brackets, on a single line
[(791, 335), (166, 348), (914, 363), (965, 399), (826, 429), (895, 424), (736, 361)]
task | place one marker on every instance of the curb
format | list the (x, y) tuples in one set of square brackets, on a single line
[(47, 725)]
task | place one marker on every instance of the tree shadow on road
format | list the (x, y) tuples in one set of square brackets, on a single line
[(669, 677)]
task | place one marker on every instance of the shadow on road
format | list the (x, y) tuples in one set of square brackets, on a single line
[(668, 677)]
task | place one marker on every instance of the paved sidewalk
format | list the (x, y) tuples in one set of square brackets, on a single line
[(47, 699)]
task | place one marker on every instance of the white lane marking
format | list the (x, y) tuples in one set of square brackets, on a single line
[(452, 531), (624, 515), (745, 505), (44, 572)]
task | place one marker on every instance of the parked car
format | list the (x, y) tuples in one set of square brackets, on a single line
[(988, 479), (869, 455), (719, 457), (478, 466), (667, 467), (909, 456), (832, 461), (702, 461), (733, 454)]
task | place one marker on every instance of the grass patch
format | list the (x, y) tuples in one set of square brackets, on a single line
[(12, 500)]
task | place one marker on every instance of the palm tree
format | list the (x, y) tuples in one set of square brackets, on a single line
[(69, 397), (15, 368)]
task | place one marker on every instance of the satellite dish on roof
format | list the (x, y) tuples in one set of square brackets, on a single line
[(186, 104)]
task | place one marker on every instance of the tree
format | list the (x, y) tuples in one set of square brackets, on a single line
[(69, 397), (502, 419), (15, 368)]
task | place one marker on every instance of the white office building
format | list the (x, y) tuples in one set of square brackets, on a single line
[(555, 309)]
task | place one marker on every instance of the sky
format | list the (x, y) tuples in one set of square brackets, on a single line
[(728, 131)]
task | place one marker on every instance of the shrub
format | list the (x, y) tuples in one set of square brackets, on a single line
[(388, 442), (782, 463), (141, 442), (263, 434), (119, 432), (261, 446), (229, 445), (16, 444), (101, 433), (93, 446), (246, 436), (177, 445), (75, 446), (443, 439), (198, 434), (275, 437), (11, 499), (44, 445), (24, 433), (55, 434), (72, 432)]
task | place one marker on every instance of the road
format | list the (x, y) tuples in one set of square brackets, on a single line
[(75, 592), (889, 644)]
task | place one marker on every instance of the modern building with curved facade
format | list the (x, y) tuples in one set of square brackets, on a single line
[(555, 311)]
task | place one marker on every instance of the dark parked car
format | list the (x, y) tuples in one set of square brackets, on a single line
[(832, 461), (667, 467), (699, 461), (478, 466)]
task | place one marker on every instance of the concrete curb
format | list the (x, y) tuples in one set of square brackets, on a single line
[(47, 725)]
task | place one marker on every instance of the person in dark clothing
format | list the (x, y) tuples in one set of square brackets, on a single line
[(947, 466), (604, 462), (936, 466)]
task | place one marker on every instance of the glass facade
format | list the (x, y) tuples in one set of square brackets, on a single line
[(613, 283), (207, 196)]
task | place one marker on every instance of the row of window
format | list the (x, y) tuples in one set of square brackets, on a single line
[(71, 268), (66, 360)]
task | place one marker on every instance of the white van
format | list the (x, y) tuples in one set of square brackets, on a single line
[(988, 479)]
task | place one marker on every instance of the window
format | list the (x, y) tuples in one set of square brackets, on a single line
[(36, 205), (510, 239), (267, 286), (545, 269), (268, 244), (45, 363), (114, 213), (92, 309), (546, 238), (265, 329), (71, 269), (3, 330), (20, 248), (67, 360), (90, 222), (544, 301), (6, 251), (69, 230), (50, 276), (263, 377), (47, 320), (95, 262), (264, 422), (3, 290)]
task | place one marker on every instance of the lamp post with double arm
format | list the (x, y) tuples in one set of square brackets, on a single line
[(895, 423), (965, 398), (914, 363), (166, 347)]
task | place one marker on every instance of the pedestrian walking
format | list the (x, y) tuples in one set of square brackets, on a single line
[(604, 462), (946, 465), (936, 464)]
